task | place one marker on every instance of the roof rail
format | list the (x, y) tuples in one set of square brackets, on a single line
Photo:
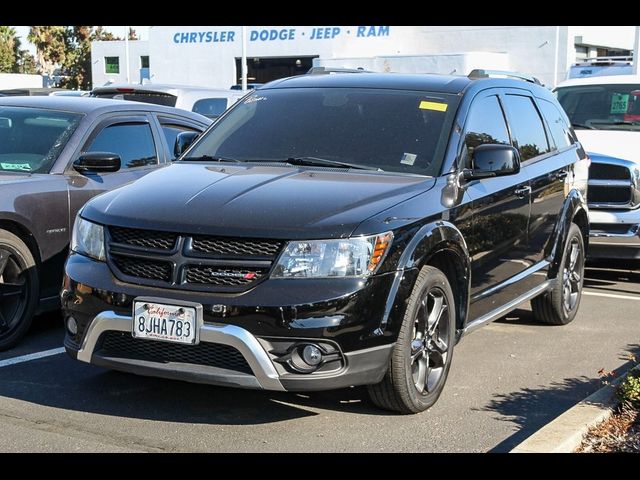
[(481, 73), (327, 70)]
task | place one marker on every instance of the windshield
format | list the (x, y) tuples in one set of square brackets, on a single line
[(31, 138), (397, 131), (602, 107)]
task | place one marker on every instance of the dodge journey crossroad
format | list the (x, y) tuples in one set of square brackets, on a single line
[(336, 230)]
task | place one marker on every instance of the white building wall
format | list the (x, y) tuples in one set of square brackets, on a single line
[(20, 80), (99, 50), (205, 55)]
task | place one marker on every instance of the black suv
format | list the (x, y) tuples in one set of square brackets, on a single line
[(336, 230)]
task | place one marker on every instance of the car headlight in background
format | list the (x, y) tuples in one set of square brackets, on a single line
[(351, 257), (88, 239)]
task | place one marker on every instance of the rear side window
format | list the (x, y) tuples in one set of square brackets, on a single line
[(485, 124), (526, 126), (171, 132), (132, 141), (210, 107), (557, 124)]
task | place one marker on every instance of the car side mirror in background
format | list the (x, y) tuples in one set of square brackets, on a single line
[(184, 141), (97, 162), (493, 160)]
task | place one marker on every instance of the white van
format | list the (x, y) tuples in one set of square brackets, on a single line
[(605, 114)]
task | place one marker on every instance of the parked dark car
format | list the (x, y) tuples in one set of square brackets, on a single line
[(336, 230), (55, 154)]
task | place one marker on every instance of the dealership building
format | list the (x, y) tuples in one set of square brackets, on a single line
[(211, 56)]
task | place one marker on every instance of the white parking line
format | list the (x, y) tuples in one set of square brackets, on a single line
[(31, 356), (610, 295)]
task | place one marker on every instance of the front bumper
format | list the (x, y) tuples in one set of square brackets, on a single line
[(614, 234), (342, 317), (361, 367)]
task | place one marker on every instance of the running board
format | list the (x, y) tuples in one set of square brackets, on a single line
[(508, 307)]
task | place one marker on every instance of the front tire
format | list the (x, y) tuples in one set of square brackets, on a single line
[(19, 289), (422, 354), (560, 305)]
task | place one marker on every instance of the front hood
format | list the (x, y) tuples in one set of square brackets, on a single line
[(613, 143), (253, 200)]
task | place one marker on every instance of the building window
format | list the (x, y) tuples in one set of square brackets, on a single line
[(144, 61), (111, 64)]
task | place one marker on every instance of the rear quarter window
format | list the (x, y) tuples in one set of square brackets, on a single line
[(210, 107)]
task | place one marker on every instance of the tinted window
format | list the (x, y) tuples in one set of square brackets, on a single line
[(32, 138), (602, 107), (132, 141), (557, 124), (485, 124), (526, 126), (171, 132), (210, 107), (394, 130)]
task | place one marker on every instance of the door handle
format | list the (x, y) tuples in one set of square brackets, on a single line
[(523, 191)]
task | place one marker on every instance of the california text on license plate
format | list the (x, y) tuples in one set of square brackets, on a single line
[(159, 321)]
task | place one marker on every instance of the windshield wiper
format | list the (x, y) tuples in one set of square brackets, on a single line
[(582, 125), (323, 162), (210, 158)]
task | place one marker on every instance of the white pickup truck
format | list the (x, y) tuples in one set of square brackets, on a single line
[(605, 113)]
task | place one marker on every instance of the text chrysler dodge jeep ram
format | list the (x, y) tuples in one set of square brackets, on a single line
[(336, 230)]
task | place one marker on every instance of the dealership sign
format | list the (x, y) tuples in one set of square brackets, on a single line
[(283, 34)]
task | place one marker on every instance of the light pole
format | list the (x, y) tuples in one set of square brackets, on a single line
[(636, 45), (244, 58), (126, 49)]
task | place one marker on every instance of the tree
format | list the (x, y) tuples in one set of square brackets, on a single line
[(24, 61), (52, 44), (7, 47), (133, 35)]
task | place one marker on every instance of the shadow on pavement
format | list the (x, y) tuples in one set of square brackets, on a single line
[(63, 383), (532, 408)]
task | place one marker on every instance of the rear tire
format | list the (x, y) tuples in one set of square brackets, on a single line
[(422, 354), (19, 289), (560, 305)]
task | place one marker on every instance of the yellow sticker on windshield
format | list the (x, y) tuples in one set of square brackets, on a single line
[(437, 106)]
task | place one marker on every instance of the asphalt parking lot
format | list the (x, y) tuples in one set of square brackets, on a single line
[(507, 380)]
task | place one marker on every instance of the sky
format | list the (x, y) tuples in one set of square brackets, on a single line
[(142, 31)]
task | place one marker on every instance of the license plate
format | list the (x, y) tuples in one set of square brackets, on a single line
[(167, 322)]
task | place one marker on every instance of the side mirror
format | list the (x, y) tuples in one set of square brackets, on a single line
[(183, 141), (493, 160), (97, 162)]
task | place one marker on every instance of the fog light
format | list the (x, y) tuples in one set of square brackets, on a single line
[(72, 326), (311, 355)]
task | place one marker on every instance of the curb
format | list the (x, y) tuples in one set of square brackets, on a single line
[(564, 434)]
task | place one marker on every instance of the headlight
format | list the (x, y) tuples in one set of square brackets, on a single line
[(88, 239), (352, 257)]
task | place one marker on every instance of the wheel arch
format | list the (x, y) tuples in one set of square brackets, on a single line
[(439, 244), (574, 210), (24, 234)]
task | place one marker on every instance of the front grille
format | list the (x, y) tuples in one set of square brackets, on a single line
[(223, 276), (123, 345), (606, 171), (143, 238), (615, 228), (142, 268), (236, 246), (609, 195), (183, 261), (611, 186)]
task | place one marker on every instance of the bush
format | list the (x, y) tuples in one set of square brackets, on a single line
[(629, 389)]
